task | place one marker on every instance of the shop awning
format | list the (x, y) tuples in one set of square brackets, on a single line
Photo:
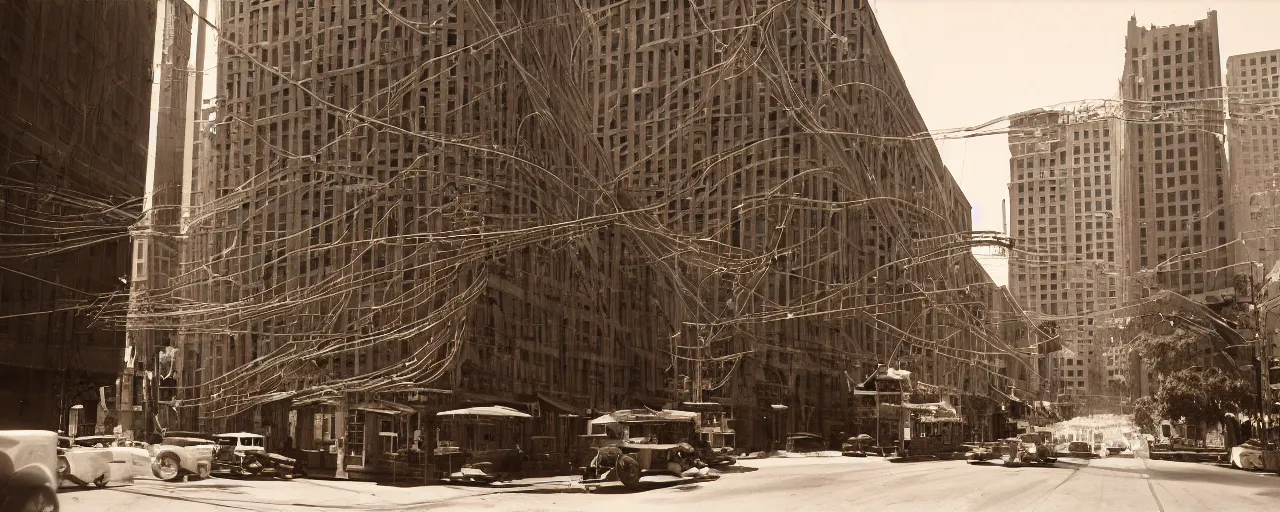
[(384, 407), (378, 410), (330, 401), (492, 411), (562, 406), (642, 415), (942, 419)]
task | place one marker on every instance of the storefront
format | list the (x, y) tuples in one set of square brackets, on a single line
[(877, 407), (383, 438)]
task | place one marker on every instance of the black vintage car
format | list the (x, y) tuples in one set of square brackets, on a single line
[(245, 454), (804, 442)]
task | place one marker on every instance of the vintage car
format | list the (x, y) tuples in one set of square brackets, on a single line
[(982, 452), (1116, 447), (804, 442), (1030, 448), (28, 478), (1246, 455), (643, 442), (78, 465), (856, 446), (129, 459), (1077, 449), (245, 454), (176, 458)]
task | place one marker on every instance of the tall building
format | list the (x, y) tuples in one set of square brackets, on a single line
[(435, 204), (1175, 160), (148, 380), (74, 92), (1065, 194), (1253, 134), (1174, 118)]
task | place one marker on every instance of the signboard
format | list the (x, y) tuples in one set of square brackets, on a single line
[(906, 432), (1214, 440)]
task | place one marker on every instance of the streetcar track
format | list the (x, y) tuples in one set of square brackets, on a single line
[(1150, 486)]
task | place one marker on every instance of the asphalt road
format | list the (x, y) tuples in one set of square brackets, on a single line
[(811, 483)]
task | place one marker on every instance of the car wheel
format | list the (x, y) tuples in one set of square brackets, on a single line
[(64, 470), (102, 481), (252, 465), (167, 468), (38, 500), (628, 470), (202, 471)]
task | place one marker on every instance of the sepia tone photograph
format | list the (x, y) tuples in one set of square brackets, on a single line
[(625, 255)]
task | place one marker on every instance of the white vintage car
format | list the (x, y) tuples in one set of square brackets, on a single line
[(129, 459), (28, 479), (78, 465), (176, 458)]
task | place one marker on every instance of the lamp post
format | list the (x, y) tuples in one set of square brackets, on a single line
[(1258, 357)]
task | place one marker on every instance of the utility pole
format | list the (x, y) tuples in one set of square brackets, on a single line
[(1258, 358), (697, 369)]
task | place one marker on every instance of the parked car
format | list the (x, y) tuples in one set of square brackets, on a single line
[(804, 442), (1079, 449), (176, 458), (82, 466), (1247, 455), (1031, 448), (129, 459), (856, 446), (646, 442), (245, 454), (28, 474), (982, 452)]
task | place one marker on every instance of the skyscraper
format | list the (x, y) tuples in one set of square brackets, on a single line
[(1253, 134), (1175, 161), (1064, 197)]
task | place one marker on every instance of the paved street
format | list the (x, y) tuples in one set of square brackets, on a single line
[(813, 483)]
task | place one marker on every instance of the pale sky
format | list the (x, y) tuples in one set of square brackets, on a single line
[(969, 61)]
